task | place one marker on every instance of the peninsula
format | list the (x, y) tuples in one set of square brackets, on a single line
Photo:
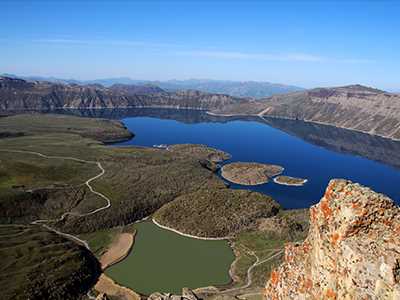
[(250, 173)]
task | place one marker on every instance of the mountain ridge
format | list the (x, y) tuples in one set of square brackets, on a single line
[(354, 107), (19, 94), (246, 88)]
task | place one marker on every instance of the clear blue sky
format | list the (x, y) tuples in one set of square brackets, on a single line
[(314, 43)]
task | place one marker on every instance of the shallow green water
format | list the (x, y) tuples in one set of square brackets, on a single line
[(163, 261)]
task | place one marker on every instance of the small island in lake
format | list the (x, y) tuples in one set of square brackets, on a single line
[(250, 173), (287, 180)]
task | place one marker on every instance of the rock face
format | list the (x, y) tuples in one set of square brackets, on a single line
[(18, 94), (352, 250), (353, 107)]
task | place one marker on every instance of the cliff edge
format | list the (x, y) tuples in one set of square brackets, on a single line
[(352, 250)]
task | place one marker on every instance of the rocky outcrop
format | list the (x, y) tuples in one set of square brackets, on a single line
[(352, 250), (102, 296), (18, 94), (186, 295)]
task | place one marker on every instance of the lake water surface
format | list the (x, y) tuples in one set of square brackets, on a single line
[(164, 261), (251, 140)]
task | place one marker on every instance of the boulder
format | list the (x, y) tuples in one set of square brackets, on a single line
[(352, 250)]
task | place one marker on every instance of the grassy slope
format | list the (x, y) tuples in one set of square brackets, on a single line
[(138, 181), (38, 264), (216, 211), (98, 129), (268, 239)]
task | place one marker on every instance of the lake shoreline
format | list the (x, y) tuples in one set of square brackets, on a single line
[(303, 120), (189, 235), (115, 254)]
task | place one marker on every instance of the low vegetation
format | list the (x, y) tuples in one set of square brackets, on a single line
[(99, 129), (216, 211), (39, 264), (201, 152), (264, 246), (249, 173), (175, 185)]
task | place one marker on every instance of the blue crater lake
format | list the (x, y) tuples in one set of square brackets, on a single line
[(312, 151)]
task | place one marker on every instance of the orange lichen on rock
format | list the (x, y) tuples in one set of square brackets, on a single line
[(335, 238), (274, 277), (326, 210), (353, 253), (330, 294)]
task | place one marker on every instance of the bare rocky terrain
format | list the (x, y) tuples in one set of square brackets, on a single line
[(352, 250)]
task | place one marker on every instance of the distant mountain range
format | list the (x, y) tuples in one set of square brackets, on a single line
[(252, 89), (19, 94), (353, 107)]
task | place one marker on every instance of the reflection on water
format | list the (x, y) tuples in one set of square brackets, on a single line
[(336, 139), (312, 151)]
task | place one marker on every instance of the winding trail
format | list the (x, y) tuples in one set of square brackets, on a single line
[(108, 205), (250, 269), (87, 183)]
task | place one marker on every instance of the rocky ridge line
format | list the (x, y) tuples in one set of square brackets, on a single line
[(352, 250)]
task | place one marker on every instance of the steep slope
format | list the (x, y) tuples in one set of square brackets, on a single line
[(341, 140), (39, 264), (353, 107), (18, 94), (352, 250), (131, 89)]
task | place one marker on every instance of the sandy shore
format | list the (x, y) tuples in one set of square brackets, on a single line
[(118, 250)]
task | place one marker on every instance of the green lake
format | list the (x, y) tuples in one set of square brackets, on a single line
[(163, 261)]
